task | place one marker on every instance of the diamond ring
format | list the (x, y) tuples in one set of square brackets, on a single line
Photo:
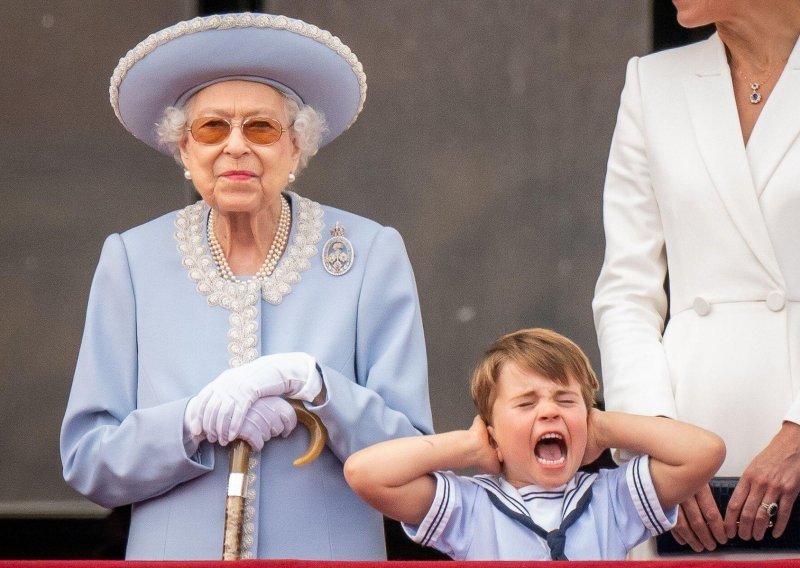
[(770, 508)]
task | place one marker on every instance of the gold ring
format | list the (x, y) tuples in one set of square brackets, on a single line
[(770, 508)]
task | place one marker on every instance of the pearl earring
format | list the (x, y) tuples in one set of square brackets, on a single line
[(292, 177), (187, 174)]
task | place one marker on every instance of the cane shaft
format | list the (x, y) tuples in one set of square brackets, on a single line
[(234, 505), (234, 519), (237, 479)]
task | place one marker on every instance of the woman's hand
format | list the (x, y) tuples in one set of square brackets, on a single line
[(700, 522), (267, 418), (772, 477), (485, 455), (220, 407)]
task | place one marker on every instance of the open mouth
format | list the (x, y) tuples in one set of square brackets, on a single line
[(551, 449)]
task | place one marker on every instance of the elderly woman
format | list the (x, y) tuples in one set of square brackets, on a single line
[(201, 323), (702, 186)]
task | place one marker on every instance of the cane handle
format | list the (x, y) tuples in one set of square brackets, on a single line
[(316, 429)]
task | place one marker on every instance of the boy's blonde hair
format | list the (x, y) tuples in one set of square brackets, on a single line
[(541, 351)]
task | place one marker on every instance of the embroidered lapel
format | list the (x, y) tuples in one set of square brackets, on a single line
[(241, 300)]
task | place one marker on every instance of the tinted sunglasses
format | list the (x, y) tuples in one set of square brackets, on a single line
[(260, 130)]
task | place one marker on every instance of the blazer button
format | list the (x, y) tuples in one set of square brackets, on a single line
[(775, 301), (701, 306)]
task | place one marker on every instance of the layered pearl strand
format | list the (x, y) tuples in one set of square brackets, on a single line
[(275, 250)]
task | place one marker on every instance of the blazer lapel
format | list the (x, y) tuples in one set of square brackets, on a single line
[(709, 94), (778, 126)]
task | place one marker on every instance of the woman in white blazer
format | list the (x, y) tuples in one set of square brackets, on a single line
[(703, 188)]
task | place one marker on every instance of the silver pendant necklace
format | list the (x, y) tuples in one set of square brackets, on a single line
[(755, 96)]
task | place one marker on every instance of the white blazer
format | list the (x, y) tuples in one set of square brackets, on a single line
[(685, 197)]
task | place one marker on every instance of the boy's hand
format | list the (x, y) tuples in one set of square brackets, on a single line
[(485, 455), (594, 445)]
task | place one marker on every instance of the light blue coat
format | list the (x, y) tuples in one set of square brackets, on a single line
[(156, 333)]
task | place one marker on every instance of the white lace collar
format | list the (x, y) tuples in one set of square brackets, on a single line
[(305, 233)]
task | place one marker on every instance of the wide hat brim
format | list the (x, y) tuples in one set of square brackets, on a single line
[(302, 60)]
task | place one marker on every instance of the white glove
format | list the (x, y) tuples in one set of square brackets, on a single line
[(268, 417), (191, 441), (222, 404)]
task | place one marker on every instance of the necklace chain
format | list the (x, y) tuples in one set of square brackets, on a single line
[(275, 250)]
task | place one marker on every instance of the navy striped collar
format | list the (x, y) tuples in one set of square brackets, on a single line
[(532, 505)]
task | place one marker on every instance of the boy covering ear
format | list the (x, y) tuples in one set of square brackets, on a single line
[(537, 425)]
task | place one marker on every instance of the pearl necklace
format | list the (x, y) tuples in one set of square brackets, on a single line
[(275, 250)]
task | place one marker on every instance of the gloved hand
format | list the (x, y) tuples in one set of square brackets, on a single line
[(267, 418), (191, 441), (219, 408)]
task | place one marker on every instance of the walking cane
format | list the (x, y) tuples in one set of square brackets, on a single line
[(237, 478)]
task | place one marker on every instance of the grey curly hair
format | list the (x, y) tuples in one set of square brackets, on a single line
[(307, 126)]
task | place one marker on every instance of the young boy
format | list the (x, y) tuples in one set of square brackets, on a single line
[(535, 392)]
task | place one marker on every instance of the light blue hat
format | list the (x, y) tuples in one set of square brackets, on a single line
[(305, 62)]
